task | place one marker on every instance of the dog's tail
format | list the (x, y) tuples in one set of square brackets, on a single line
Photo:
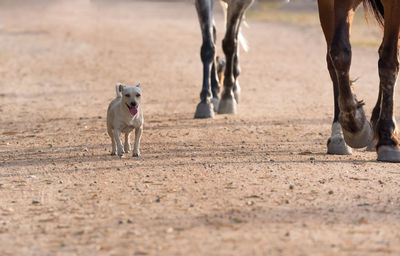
[(242, 40), (118, 90)]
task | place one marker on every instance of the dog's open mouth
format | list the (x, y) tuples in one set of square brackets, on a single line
[(133, 110)]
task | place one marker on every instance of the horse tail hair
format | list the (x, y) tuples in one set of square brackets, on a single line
[(242, 40), (376, 8)]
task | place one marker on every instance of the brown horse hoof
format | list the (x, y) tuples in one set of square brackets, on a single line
[(227, 105), (204, 110), (361, 139), (388, 154), (337, 146)]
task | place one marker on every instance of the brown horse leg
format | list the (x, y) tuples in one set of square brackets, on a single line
[(236, 10), (374, 120), (388, 142), (336, 144), (357, 131)]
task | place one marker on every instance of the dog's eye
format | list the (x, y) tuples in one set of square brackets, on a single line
[(138, 95), (127, 95)]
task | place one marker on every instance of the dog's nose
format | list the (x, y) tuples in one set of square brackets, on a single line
[(133, 104)]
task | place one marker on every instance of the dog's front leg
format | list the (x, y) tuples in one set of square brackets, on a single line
[(127, 145), (138, 136), (120, 150)]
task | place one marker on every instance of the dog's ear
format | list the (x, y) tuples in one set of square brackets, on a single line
[(121, 87)]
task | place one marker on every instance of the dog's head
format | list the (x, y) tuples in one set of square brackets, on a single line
[(131, 97)]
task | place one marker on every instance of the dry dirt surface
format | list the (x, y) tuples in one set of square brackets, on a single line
[(255, 183)]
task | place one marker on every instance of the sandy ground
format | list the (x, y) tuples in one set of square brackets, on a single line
[(256, 183)]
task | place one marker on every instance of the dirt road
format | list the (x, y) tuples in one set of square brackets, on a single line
[(257, 183)]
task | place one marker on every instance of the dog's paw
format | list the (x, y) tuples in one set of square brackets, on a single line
[(120, 152), (136, 154), (113, 153)]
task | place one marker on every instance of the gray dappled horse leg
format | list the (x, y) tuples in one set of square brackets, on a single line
[(205, 108), (215, 83), (236, 10), (386, 131), (236, 73), (356, 129)]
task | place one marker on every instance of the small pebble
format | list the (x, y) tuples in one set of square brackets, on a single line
[(35, 202), (330, 192)]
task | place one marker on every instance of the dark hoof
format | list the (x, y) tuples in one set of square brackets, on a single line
[(227, 105), (389, 154), (361, 139), (337, 146), (204, 110)]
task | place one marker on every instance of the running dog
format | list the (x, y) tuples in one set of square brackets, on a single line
[(123, 115)]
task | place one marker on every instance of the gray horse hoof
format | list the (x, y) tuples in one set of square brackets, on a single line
[(389, 154), (372, 146), (337, 146), (227, 106), (215, 102), (361, 139), (204, 110)]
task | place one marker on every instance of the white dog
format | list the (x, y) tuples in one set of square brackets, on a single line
[(123, 115)]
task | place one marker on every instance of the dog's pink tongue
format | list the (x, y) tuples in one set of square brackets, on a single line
[(133, 111)]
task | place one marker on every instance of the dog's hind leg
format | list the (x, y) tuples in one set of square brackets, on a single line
[(120, 150), (138, 136), (127, 145)]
